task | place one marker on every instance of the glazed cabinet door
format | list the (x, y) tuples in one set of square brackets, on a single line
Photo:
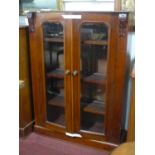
[(52, 86), (91, 77), (53, 36)]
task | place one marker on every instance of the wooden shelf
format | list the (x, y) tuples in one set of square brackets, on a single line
[(95, 108), (96, 78), (54, 40), (97, 127), (57, 101), (95, 42), (60, 120), (57, 73)]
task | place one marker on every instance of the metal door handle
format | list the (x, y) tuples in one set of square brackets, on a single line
[(67, 72), (75, 73)]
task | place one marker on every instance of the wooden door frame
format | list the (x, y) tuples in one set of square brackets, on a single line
[(38, 70), (96, 18)]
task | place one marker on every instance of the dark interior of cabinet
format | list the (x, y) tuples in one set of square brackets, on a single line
[(55, 115), (54, 71), (92, 122), (94, 46)]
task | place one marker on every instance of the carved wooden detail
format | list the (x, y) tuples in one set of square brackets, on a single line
[(31, 18), (122, 24)]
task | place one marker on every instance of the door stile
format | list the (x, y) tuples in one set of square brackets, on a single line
[(68, 85), (111, 80), (75, 77)]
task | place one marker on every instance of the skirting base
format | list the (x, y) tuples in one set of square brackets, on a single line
[(26, 130)]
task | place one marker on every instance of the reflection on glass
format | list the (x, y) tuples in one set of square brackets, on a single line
[(54, 72), (93, 76)]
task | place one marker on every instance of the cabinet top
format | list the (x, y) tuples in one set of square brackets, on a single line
[(81, 12)]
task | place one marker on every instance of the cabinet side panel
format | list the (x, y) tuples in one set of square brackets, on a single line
[(111, 82), (37, 70), (25, 98), (115, 116)]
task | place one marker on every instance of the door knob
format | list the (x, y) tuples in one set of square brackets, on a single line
[(75, 73), (67, 72)]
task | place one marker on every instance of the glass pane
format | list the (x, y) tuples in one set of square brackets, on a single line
[(93, 76), (54, 72)]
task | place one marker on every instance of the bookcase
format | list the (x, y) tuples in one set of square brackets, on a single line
[(78, 65)]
